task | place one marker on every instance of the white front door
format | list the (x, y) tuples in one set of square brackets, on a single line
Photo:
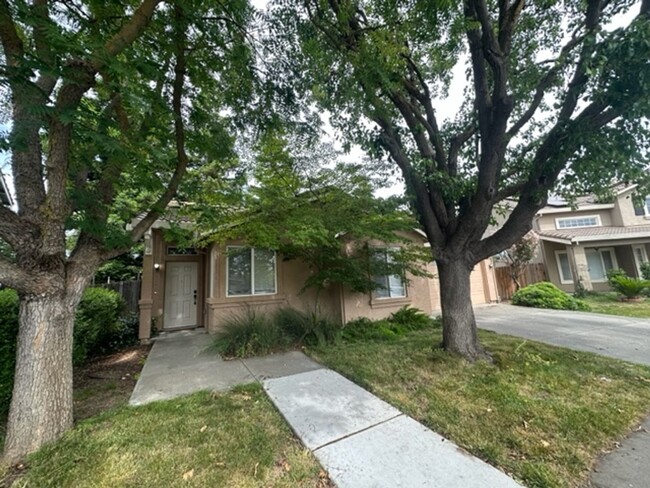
[(181, 295), (640, 257)]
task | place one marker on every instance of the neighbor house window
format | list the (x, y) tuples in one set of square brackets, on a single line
[(599, 262), (390, 286), (250, 271), (564, 267), (577, 222)]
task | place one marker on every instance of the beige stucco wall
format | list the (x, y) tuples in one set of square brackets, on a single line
[(547, 221), (624, 212), (418, 295), (291, 276)]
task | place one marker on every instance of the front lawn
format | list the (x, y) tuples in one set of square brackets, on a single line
[(234, 439), (610, 304), (541, 413)]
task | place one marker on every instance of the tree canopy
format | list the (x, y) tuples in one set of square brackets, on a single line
[(300, 200), (109, 105), (557, 100)]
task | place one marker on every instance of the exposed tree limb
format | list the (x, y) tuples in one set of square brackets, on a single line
[(544, 84), (46, 80), (508, 17), (15, 277), (14, 230), (12, 45), (179, 129), (125, 37)]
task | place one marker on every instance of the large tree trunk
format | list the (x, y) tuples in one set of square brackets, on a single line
[(458, 322), (41, 405)]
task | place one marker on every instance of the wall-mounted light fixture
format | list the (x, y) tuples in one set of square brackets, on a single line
[(156, 267)]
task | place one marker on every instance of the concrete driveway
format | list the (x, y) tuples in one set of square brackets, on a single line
[(618, 337)]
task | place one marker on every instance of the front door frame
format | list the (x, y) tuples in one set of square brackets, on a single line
[(196, 294)]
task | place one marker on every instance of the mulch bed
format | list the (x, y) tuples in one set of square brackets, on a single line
[(107, 381)]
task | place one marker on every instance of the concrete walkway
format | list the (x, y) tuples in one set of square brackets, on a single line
[(181, 363), (362, 441)]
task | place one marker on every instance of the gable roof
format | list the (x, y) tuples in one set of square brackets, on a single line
[(587, 234), (589, 201)]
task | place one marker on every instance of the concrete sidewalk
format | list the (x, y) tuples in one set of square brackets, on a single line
[(362, 441), (628, 465), (181, 363)]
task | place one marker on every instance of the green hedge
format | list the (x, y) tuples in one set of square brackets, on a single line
[(547, 295), (100, 327)]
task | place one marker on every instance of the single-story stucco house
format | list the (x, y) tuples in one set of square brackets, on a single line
[(192, 287)]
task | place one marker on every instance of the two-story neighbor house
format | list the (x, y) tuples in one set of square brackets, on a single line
[(584, 242)]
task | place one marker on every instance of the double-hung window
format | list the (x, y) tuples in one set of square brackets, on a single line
[(389, 286), (251, 271)]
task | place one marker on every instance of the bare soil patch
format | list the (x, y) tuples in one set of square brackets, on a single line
[(106, 382)]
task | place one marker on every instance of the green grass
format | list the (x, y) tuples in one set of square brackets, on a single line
[(234, 439), (610, 304), (539, 412)]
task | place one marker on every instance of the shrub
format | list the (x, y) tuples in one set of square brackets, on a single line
[(8, 335), (400, 323), (547, 295), (613, 274), (628, 287), (99, 326), (364, 329), (411, 318), (645, 270), (251, 333), (307, 328)]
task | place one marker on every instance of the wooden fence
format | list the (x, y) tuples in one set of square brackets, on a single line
[(130, 291), (534, 273)]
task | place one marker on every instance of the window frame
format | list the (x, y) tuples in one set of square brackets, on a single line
[(384, 251), (598, 223), (646, 206), (252, 256), (600, 250), (638, 265), (559, 267)]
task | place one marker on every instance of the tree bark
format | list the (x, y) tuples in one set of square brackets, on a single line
[(41, 406), (458, 322)]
